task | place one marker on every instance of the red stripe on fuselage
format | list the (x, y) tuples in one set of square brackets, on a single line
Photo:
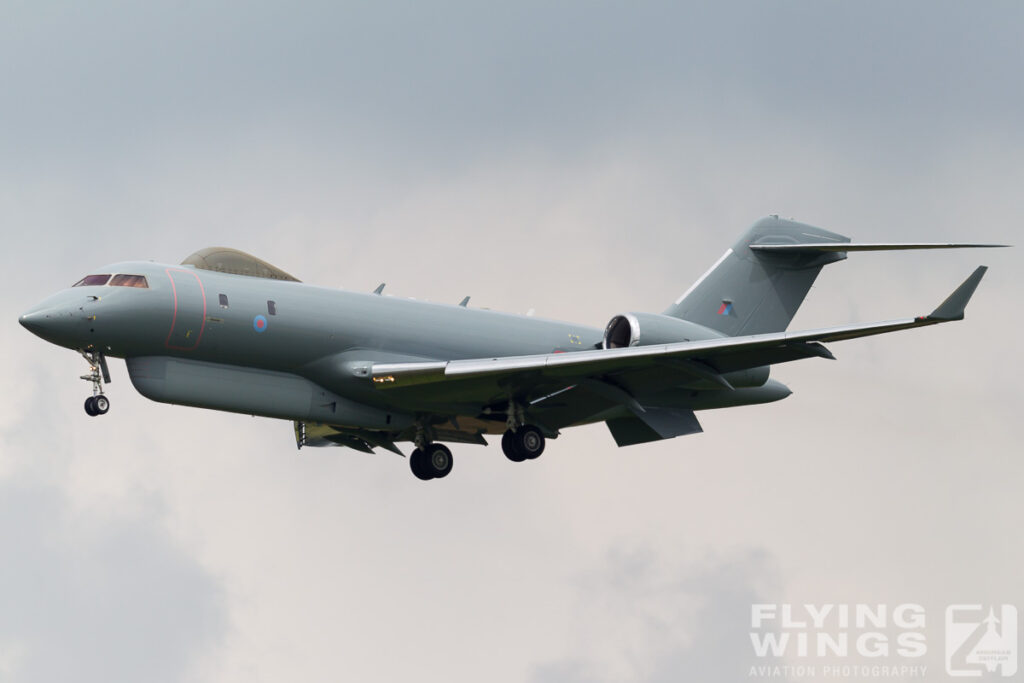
[(174, 316)]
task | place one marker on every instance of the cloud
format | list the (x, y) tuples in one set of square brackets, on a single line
[(642, 617), (447, 84), (93, 585), (582, 159), (90, 597)]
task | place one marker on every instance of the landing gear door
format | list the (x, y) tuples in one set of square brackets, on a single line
[(189, 316)]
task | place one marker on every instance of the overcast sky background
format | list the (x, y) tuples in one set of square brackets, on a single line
[(582, 159)]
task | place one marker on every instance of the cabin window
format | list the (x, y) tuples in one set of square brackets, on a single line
[(271, 308), (92, 281), (130, 281), (223, 300)]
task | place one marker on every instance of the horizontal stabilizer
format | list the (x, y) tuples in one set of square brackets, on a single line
[(819, 247), (953, 307)]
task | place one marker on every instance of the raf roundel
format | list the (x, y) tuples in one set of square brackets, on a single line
[(259, 323)]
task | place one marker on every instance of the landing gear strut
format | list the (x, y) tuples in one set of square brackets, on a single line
[(98, 403)]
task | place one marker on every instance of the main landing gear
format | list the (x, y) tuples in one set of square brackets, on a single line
[(433, 461), (524, 443), (521, 441), (429, 460), (98, 403)]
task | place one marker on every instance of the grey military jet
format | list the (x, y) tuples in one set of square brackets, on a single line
[(227, 331)]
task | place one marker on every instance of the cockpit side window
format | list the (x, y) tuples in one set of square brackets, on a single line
[(130, 281), (92, 281)]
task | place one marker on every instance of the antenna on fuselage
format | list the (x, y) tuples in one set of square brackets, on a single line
[(464, 302), (380, 288)]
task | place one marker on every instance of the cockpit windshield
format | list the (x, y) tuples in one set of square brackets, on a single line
[(117, 281), (92, 281), (130, 281)]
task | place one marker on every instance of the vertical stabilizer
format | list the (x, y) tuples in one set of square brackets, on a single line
[(750, 292)]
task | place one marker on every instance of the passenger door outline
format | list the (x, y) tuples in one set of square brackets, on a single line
[(183, 320)]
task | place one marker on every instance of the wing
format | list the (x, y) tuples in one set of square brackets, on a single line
[(482, 380)]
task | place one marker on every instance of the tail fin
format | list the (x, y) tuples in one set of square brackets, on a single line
[(750, 292)]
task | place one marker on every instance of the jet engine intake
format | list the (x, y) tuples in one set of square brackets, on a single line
[(644, 329)]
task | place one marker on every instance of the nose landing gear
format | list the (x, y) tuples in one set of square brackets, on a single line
[(98, 403)]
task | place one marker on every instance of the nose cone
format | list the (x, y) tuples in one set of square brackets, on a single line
[(31, 321), (58, 324)]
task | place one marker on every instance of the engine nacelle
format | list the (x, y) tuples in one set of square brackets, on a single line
[(644, 329)]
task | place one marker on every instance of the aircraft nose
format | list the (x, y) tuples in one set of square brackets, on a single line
[(32, 321), (50, 323)]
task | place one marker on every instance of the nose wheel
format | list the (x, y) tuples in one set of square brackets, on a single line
[(98, 403)]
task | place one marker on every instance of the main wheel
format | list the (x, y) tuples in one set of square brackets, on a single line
[(510, 448), (101, 404), (419, 466), (439, 460), (529, 441), (90, 407)]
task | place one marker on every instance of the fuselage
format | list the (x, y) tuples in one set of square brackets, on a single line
[(277, 325), (286, 327), (296, 351)]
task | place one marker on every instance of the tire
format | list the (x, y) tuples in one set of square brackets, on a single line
[(438, 460), (101, 404), (90, 407), (419, 465), (529, 441), (510, 447)]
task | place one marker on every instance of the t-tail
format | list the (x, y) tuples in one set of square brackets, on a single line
[(757, 286)]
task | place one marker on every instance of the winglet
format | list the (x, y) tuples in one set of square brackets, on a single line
[(953, 307)]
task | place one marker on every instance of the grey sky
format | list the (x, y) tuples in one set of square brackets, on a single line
[(583, 160)]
